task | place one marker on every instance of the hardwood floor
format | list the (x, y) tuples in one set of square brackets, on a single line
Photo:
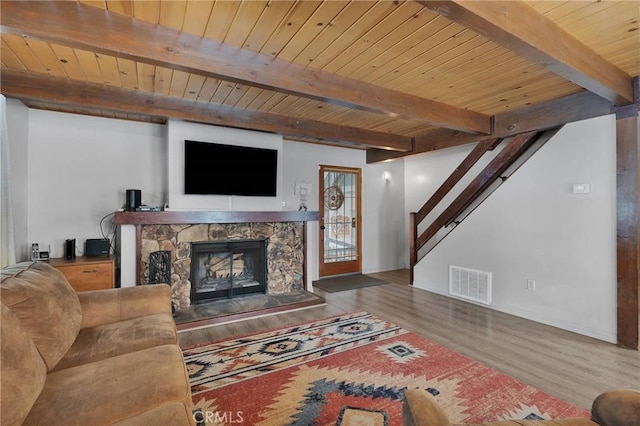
[(563, 364)]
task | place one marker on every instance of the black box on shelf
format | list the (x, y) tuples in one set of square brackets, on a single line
[(96, 247)]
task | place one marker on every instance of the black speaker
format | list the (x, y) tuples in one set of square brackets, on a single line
[(70, 248), (134, 199)]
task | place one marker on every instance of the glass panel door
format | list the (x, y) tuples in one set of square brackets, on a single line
[(340, 238)]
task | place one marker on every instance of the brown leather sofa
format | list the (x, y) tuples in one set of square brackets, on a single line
[(91, 358), (613, 408)]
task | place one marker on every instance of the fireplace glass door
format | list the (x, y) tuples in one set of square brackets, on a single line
[(227, 269)]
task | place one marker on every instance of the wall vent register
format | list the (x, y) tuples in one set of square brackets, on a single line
[(470, 284)]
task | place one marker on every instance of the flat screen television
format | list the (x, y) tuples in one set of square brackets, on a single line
[(218, 169)]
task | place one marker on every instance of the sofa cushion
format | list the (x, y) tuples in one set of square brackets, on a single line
[(171, 414), (117, 304), (108, 340), (23, 372), (46, 305), (115, 389)]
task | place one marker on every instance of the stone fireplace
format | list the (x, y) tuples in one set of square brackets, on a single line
[(172, 233), (284, 253)]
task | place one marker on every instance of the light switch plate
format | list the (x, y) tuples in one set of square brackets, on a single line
[(581, 188)]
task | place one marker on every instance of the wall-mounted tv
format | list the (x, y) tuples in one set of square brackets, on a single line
[(217, 169)]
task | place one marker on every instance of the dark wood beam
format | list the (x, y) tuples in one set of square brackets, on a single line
[(628, 229), (551, 114), (545, 115), (325, 142), (510, 153), (84, 27), (41, 87), (413, 252), (519, 28)]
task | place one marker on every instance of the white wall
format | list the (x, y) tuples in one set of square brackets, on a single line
[(72, 170), (534, 227), (384, 228), (384, 225), (75, 169), (79, 169), (179, 131), (18, 130)]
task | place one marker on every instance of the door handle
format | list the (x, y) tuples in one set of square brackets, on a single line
[(321, 226), (353, 222)]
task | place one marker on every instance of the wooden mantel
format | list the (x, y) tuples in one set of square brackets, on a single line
[(192, 217)]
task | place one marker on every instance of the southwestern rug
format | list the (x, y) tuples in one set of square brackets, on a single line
[(347, 370)]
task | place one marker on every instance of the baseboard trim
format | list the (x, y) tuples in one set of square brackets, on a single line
[(553, 322)]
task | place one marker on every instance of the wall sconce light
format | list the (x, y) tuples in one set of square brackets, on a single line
[(386, 176)]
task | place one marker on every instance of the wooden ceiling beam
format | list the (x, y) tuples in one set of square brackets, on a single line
[(84, 27), (325, 142), (41, 87), (545, 115), (519, 28)]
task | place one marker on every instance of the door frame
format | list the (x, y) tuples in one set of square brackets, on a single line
[(338, 268)]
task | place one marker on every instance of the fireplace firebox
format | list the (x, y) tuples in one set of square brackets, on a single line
[(228, 269)]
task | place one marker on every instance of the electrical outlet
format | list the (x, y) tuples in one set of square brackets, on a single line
[(531, 285)]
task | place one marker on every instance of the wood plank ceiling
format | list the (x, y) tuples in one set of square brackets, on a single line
[(393, 77)]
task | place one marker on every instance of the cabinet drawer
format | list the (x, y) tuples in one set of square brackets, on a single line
[(96, 276)]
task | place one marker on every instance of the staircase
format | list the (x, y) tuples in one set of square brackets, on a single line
[(514, 152)]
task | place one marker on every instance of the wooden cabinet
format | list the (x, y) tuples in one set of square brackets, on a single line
[(86, 273)]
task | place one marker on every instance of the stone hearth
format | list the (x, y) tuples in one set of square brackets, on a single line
[(285, 252)]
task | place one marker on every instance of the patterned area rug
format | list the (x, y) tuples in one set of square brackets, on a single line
[(351, 369)]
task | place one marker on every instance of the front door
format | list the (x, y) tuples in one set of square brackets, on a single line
[(340, 204)]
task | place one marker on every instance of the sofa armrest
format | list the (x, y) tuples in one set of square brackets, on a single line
[(617, 407), (118, 304), (421, 409)]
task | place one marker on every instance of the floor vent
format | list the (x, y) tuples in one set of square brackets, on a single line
[(470, 284)]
